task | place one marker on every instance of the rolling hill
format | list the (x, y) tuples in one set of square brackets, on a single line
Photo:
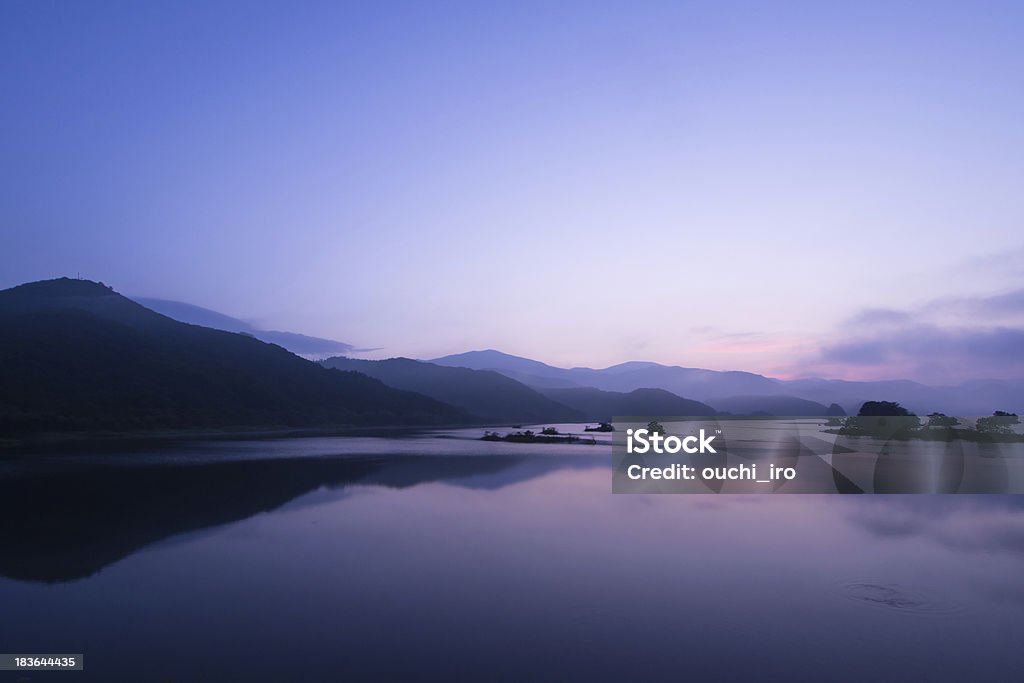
[(601, 406), (745, 392), (782, 406), (701, 385), (488, 395)]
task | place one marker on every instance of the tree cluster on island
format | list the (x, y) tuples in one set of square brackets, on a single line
[(891, 420)]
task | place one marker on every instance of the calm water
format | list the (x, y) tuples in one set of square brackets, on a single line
[(439, 555)]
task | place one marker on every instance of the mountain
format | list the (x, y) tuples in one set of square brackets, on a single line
[(835, 410), (781, 406), (300, 344), (502, 362), (532, 373), (77, 356), (484, 393), (702, 385), (600, 406), (977, 397), (539, 382), (971, 398)]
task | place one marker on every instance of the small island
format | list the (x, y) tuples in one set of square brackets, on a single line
[(546, 435), (602, 427)]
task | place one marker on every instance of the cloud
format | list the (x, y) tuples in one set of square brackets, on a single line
[(943, 341), (873, 317), (1007, 307), (998, 345)]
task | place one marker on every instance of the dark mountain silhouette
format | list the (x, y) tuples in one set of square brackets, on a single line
[(486, 394), (77, 356), (976, 397), (782, 406), (835, 410), (301, 344), (601, 406)]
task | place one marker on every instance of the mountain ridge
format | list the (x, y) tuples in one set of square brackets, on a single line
[(77, 356), (297, 343), (598, 405), (973, 397), (487, 394)]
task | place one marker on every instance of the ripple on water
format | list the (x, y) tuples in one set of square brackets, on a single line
[(886, 595)]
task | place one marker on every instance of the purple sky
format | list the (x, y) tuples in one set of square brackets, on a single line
[(794, 188)]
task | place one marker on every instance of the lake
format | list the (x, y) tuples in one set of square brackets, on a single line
[(435, 555)]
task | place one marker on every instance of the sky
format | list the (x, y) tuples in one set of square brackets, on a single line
[(797, 189)]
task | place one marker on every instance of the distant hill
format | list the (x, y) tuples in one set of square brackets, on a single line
[(600, 406), (781, 406), (484, 393), (300, 344), (976, 397), (703, 385), (502, 362), (970, 398), (77, 356)]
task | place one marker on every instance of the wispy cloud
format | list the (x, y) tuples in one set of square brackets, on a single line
[(945, 340)]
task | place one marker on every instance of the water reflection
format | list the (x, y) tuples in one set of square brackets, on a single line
[(70, 524), (506, 564)]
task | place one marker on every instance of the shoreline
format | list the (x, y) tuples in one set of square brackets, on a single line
[(64, 441)]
